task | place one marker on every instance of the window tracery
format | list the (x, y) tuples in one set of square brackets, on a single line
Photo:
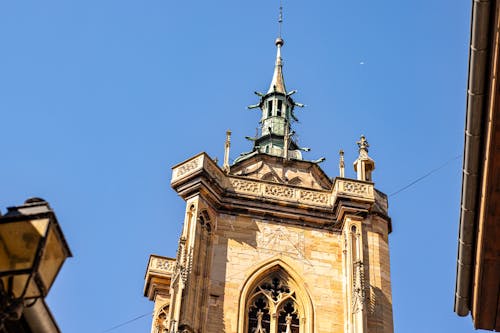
[(161, 325), (258, 316), (288, 320), (273, 307)]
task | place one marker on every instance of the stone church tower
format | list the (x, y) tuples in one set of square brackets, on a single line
[(271, 243)]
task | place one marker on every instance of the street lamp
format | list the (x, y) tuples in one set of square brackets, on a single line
[(32, 251)]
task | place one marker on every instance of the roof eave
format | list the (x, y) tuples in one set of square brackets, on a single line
[(479, 55)]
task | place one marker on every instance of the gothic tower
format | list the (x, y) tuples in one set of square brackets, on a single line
[(271, 243)]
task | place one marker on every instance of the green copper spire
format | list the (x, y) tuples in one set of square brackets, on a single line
[(277, 106), (275, 136), (278, 82)]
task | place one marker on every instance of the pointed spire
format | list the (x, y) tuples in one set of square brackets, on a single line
[(278, 82), (275, 136)]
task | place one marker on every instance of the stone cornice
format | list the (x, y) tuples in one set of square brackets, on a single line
[(158, 275), (201, 174)]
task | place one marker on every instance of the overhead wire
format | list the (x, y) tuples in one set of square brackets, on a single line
[(425, 176), (127, 322)]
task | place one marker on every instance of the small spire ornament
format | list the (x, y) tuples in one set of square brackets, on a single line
[(225, 166), (364, 165), (341, 164)]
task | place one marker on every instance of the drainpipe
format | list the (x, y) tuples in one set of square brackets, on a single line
[(479, 54)]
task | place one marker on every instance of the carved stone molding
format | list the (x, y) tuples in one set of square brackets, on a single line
[(261, 189), (279, 191), (162, 265), (354, 188), (358, 287), (214, 171), (241, 185), (282, 192), (315, 197), (187, 167), (158, 276)]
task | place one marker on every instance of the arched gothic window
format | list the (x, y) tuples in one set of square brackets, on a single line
[(273, 307), (161, 320)]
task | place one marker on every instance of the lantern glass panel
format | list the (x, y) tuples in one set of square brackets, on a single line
[(19, 242), (52, 259), (14, 284), (33, 290)]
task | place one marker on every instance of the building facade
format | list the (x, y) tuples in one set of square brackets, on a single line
[(477, 285), (273, 244)]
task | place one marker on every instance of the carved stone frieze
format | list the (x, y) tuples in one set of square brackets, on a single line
[(159, 274), (244, 185), (162, 265), (187, 167), (294, 194), (314, 197), (354, 188), (279, 191)]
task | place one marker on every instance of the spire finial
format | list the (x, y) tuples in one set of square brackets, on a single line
[(363, 143), (279, 41), (278, 83), (280, 18)]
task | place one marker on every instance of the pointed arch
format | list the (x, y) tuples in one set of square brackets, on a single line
[(269, 176), (160, 319), (295, 290), (297, 181)]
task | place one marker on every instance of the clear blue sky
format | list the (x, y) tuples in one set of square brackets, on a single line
[(99, 98)]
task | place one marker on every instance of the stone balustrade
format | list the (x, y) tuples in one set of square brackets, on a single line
[(343, 187)]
